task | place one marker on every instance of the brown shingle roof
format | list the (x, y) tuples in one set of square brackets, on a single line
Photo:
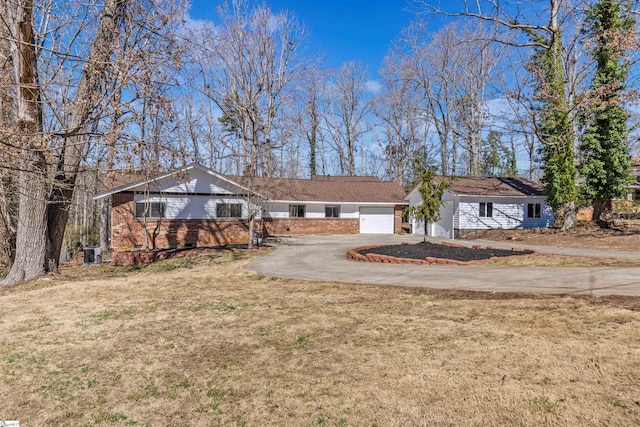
[(338, 189), (327, 189), (120, 178), (480, 186)]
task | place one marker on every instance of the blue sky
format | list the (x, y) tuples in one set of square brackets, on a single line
[(342, 30)]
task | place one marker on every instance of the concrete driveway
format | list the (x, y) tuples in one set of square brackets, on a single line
[(322, 258)]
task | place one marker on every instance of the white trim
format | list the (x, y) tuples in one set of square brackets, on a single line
[(333, 202), (498, 196)]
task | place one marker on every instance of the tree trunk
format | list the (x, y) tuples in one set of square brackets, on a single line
[(251, 228), (8, 212), (31, 235), (88, 97), (568, 216), (32, 228), (602, 211), (105, 208)]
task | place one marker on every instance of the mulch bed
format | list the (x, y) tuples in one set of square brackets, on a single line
[(423, 250)]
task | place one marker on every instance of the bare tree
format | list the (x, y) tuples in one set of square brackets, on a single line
[(519, 117), (63, 72), (476, 84), (348, 112), (432, 66), (403, 124), (248, 65), (309, 112), (8, 175)]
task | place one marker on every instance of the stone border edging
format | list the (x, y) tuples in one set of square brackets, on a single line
[(354, 255)]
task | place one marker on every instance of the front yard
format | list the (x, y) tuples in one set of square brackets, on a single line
[(205, 342)]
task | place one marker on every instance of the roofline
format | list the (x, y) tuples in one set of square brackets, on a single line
[(455, 193), (185, 168), (336, 202), (524, 196)]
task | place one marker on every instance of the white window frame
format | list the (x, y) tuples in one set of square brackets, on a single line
[(535, 209), (159, 208), (333, 209), (485, 210), (294, 211), (230, 208)]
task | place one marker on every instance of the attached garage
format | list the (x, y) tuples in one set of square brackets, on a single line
[(376, 220)]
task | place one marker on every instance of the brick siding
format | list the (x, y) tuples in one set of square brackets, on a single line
[(397, 219), (312, 226)]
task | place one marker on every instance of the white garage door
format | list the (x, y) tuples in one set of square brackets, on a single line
[(376, 220)]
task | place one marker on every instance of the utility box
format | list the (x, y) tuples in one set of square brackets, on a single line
[(92, 255)]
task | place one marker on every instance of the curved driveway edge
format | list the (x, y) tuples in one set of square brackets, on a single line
[(323, 258)]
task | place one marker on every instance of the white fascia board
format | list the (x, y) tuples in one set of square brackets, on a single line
[(500, 197), (338, 203)]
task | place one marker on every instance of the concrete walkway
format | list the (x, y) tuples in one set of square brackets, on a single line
[(322, 258)]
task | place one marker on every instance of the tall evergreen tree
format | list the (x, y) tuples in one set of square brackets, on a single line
[(555, 131), (606, 161)]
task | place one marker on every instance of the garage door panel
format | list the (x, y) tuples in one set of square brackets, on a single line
[(376, 220)]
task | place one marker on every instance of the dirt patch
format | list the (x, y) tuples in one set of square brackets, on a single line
[(623, 236), (423, 250)]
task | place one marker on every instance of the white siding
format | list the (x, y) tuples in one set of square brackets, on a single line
[(444, 226), (314, 210), (192, 207), (196, 182), (446, 221), (507, 214), (349, 211)]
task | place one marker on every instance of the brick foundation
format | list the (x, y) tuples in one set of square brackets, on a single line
[(312, 226)]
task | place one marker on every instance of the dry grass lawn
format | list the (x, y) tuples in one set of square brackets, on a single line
[(622, 236), (205, 342)]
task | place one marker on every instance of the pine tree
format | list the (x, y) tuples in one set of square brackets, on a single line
[(431, 191), (606, 160)]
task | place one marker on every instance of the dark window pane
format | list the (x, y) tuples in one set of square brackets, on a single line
[(332, 211), (534, 210), (296, 211), (150, 210), (229, 210)]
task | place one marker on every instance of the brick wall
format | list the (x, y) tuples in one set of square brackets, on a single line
[(312, 225), (397, 219)]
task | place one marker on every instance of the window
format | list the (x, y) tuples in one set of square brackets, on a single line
[(297, 211), (332, 211), (228, 210), (486, 209), (150, 209), (533, 210)]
